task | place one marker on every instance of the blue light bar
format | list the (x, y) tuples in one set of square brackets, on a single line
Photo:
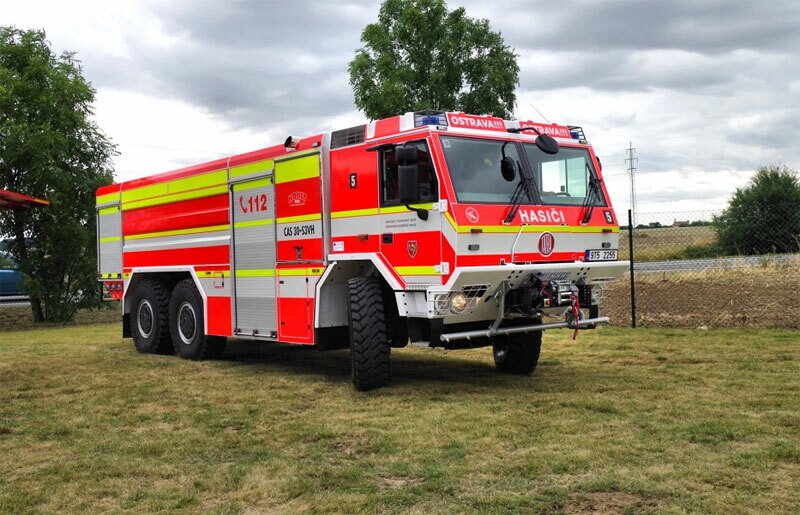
[(429, 117)]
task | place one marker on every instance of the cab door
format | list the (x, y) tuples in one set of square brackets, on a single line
[(412, 245)]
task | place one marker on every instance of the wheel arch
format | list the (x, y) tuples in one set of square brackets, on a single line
[(332, 291), (170, 276)]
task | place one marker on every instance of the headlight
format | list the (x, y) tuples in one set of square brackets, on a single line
[(458, 302)]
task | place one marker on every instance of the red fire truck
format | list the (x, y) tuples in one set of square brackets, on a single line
[(436, 228)]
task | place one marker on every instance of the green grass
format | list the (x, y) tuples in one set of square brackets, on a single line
[(670, 243), (619, 421)]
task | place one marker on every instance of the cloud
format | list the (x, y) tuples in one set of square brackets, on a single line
[(706, 91)]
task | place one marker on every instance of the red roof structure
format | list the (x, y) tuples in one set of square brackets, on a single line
[(11, 200)]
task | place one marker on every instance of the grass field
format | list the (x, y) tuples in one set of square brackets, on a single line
[(619, 421), (754, 297), (668, 243)]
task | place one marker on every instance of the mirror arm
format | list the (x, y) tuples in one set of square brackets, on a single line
[(421, 213)]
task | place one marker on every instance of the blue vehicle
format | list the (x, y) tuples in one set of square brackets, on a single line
[(10, 278)]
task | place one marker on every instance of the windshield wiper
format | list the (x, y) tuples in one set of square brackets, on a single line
[(526, 186), (592, 196)]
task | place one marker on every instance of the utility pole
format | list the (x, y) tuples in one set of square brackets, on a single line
[(631, 160)]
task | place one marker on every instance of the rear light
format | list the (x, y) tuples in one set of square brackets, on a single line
[(112, 290)]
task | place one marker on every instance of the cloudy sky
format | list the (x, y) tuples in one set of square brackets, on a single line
[(705, 90)]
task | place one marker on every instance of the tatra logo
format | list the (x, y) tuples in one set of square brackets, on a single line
[(297, 198), (546, 244), (412, 248), (472, 215)]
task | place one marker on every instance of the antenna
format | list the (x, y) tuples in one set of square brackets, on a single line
[(632, 174), (540, 114)]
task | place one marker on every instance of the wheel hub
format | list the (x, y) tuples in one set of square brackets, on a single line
[(187, 323), (144, 317)]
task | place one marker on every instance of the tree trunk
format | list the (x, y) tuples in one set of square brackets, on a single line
[(36, 310), (22, 252)]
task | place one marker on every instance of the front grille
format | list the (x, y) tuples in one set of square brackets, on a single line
[(585, 295)]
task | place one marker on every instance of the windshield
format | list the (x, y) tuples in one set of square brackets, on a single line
[(475, 169), (563, 178), (474, 164)]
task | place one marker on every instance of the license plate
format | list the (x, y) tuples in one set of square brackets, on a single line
[(601, 255)]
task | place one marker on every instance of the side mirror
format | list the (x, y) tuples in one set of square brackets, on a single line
[(405, 155), (547, 144), (408, 178), (508, 168), (408, 183)]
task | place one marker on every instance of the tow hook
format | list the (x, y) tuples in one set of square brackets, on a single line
[(574, 315)]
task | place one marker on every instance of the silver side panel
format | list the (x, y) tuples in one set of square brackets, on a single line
[(253, 257), (109, 242)]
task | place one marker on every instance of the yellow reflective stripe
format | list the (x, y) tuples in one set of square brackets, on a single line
[(109, 276), (378, 211), (177, 197), (198, 181), (263, 272), (108, 211), (403, 209), (110, 239), (288, 272), (143, 192), (354, 212), (296, 169), (108, 198), (216, 274), (250, 168), (251, 185), (529, 228), (299, 218), (253, 223), (178, 232), (194, 182), (533, 228), (416, 270)]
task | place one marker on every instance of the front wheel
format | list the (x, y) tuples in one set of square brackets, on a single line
[(369, 346), (517, 353), (186, 323)]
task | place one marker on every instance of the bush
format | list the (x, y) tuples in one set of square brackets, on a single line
[(764, 216)]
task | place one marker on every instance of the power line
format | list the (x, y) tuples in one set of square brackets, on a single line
[(631, 160)]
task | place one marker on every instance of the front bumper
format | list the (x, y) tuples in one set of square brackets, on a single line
[(482, 283)]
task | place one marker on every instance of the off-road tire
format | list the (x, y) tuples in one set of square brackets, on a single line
[(150, 318), (369, 349), (517, 353), (186, 324)]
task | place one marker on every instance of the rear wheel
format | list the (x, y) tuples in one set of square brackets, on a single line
[(369, 348), (150, 318), (517, 353), (186, 324)]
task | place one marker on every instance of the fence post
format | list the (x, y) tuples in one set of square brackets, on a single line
[(633, 282)]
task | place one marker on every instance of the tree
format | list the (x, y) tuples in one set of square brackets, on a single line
[(419, 55), (50, 148), (764, 216)]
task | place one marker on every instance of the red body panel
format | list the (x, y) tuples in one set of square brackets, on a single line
[(189, 214)]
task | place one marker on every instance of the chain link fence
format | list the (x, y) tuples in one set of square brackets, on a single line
[(704, 269)]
